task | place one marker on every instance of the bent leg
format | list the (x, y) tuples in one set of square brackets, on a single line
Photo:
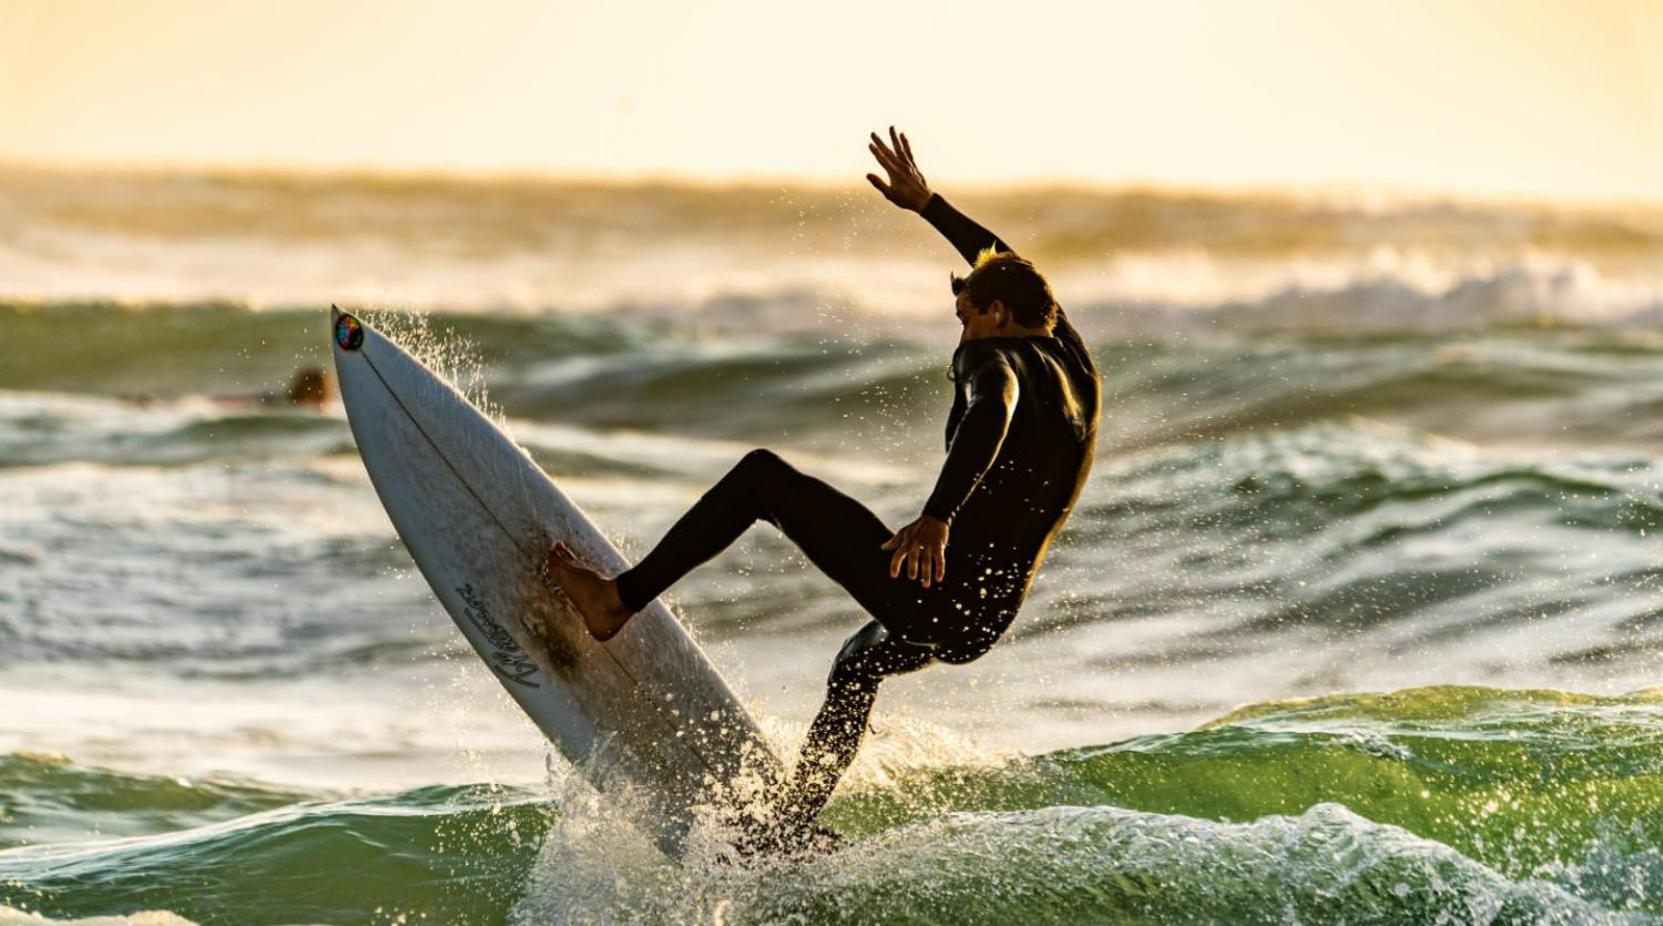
[(834, 737), (837, 533)]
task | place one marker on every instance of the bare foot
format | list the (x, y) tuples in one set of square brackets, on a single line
[(595, 596)]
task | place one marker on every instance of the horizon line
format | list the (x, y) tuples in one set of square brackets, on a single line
[(1330, 191)]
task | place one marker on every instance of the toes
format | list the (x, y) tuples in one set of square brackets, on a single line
[(557, 563)]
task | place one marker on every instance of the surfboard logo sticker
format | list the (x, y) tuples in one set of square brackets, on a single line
[(349, 333), (506, 657)]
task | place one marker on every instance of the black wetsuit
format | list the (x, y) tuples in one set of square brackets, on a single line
[(1020, 441)]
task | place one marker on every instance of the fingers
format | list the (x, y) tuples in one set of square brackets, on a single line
[(899, 545), (885, 162), (903, 148), (882, 187), (882, 152), (924, 561)]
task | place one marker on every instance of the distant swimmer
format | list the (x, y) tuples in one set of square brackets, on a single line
[(309, 388), (1020, 440)]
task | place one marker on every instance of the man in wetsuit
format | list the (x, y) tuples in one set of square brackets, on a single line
[(1020, 440)]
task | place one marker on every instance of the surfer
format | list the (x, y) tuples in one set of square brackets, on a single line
[(1020, 441)]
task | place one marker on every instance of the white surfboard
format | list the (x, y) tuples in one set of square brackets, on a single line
[(645, 712)]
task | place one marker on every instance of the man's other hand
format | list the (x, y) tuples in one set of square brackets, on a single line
[(922, 546), (906, 187)]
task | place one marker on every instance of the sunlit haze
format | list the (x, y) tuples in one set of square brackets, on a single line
[(1532, 98)]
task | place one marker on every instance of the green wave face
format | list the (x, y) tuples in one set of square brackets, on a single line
[(47, 800), (453, 854), (1457, 805)]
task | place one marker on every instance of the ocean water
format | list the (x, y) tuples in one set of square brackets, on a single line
[(1358, 620)]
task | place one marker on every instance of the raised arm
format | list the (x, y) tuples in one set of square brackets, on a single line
[(908, 189)]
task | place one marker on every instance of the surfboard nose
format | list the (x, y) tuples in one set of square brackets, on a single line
[(348, 332)]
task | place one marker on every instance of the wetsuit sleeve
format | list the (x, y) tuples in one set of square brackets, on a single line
[(970, 238), (992, 388), (960, 230)]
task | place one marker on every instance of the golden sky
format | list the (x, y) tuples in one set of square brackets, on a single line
[(1476, 96)]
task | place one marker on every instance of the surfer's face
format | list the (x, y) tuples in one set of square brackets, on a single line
[(993, 322)]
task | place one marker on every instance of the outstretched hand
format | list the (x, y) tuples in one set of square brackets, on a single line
[(922, 546), (906, 187)]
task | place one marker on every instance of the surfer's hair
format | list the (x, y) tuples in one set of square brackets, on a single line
[(1013, 281)]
